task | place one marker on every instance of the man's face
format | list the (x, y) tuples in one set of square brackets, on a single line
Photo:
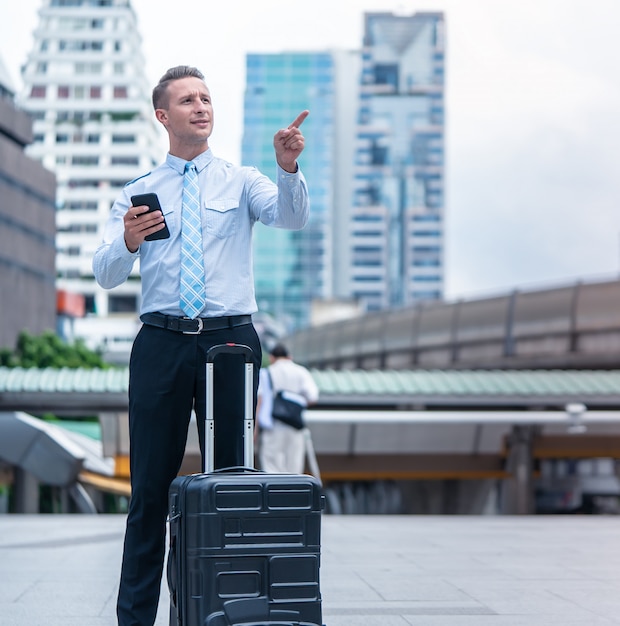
[(188, 117)]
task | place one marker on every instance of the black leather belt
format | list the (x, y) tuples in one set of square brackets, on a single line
[(196, 326)]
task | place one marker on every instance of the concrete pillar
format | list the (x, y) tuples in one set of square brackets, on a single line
[(26, 488), (518, 490)]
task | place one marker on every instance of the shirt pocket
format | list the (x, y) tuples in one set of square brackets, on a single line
[(222, 217), (171, 218)]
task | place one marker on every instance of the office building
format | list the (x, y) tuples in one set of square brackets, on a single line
[(374, 162), (27, 227), (85, 88), (292, 268), (397, 216)]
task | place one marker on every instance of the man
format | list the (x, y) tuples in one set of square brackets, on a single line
[(282, 447), (189, 303)]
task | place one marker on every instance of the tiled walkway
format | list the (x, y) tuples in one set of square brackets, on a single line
[(376, 571)]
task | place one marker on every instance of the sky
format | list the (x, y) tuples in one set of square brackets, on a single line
[(532, 115)]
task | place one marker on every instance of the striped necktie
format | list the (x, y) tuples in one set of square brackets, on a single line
[(192, 266)]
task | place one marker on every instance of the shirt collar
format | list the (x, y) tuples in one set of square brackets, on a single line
[(201, 161)]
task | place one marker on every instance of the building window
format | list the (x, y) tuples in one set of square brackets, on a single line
[(123, 139), (89, 304), (95, 93), (63, 91), (366, 249), (38, 91), (426, 249), (367, 233), (378, 154), (80, 46), (83, 184), (88, 68), (77, 228), (425, 279), (426, 218), (368, 218), (386, 74), (367, 263), (80, 205), (426, 295), (85, 160), (124, 116), (426, 233), (122, 160), (120, 92), (122, 304), (368, 279)]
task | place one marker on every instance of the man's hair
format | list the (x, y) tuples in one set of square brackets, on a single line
[(160, 95), (278, 351)]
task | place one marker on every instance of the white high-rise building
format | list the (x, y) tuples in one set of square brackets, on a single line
[(85, 87)]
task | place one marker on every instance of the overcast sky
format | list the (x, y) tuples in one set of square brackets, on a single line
[(532, 115)]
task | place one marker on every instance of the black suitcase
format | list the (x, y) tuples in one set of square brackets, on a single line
[(244, 547)]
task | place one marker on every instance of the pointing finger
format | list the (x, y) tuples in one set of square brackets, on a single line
[(299, 119)]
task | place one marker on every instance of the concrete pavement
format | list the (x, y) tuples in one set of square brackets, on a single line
[(62, 570)]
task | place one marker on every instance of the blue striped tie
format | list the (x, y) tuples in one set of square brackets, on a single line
[(192, 266)]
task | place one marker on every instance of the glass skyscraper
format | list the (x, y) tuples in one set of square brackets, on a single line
[(292, 268), (374, 161), (398, 188)]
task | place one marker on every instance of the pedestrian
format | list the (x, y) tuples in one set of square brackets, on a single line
[(188, 305), (282, 447)]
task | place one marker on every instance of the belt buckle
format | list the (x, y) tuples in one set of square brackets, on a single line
[(193, 332)]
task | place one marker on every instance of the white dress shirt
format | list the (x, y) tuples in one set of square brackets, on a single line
[(233, 199)]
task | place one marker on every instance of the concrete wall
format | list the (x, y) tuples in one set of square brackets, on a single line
[(27, 232)]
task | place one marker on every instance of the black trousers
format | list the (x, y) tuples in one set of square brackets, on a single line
[(167, 377)]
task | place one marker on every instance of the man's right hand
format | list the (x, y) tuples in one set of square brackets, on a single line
[(289, 144), (139, 224)]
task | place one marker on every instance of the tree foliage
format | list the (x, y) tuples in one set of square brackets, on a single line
[(48, 350)]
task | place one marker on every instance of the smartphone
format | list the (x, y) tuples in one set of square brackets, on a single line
[(152, 201)]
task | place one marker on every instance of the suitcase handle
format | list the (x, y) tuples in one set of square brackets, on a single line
[(229, 348), (236, 468), (248, 410)]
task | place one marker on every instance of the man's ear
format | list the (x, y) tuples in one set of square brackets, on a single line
[(161, 115)]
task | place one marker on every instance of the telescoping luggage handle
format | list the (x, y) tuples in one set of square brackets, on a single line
[(248, 413)]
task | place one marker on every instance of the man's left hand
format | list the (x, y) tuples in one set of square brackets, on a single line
[(289, 144)]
